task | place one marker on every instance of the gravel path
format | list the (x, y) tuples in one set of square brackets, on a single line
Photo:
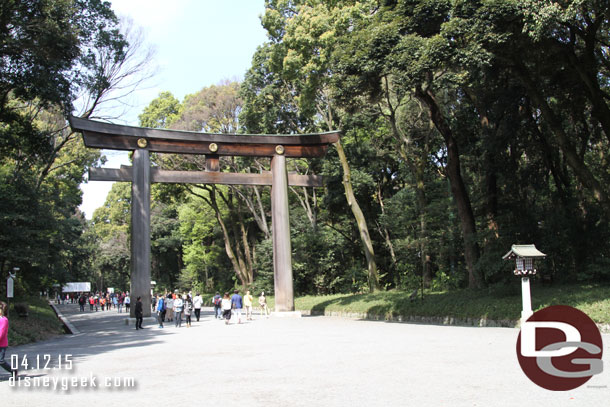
[(309, 361)]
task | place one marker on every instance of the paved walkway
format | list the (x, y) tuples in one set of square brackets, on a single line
[(309, 361)]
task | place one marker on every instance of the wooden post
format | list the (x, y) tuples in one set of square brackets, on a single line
[(282, 253), (140, 231), (526, 298)]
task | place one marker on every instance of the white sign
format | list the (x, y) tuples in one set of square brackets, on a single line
[(76, 287), (9, 287)]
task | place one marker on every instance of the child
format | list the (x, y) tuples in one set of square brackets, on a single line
[(4, 340)]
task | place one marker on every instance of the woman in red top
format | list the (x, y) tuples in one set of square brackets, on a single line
[(4, 339)]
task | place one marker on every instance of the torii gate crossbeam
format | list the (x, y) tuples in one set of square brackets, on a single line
[(142, 141)]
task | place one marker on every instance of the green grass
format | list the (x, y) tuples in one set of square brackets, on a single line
[(40, 324), (495, 303)]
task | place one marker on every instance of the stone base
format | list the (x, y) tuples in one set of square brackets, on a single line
[(286, 314)]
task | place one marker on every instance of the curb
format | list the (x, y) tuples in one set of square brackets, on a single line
[(414, 319), (64, 320)]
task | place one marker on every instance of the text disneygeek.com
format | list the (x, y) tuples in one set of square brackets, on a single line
[(57, 363), (90, 382)]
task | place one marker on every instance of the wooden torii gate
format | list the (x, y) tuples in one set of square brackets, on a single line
[(143, 141)]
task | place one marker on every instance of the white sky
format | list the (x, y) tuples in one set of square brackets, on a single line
[(198, 43)]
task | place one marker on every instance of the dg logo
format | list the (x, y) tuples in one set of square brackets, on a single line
[(560, 348)]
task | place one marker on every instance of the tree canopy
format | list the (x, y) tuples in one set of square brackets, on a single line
[(468, 126)]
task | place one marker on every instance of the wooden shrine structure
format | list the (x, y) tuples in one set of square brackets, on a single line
[(143, 141)]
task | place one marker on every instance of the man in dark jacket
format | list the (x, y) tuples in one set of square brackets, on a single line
[(139, 313)]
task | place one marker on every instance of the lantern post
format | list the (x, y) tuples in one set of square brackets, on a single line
[(10, 289), (524, 256)]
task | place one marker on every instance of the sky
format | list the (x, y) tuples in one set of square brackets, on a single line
[(197, 43)]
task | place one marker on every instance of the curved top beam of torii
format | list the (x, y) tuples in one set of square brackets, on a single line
[(118, 137)]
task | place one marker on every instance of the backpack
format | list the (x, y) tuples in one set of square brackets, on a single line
[(217, 301)]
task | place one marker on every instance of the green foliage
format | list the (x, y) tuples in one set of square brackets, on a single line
[(502, 303), (53, 52), (467, 127), (161, 112)]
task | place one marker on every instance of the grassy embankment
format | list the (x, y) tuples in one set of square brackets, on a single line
[(40, 324), (492, 304), (495, 303)]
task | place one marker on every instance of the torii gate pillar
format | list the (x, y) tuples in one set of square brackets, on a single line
[(282, 253), (140, 224)]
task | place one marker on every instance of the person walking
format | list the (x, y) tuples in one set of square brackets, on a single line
[(178, 307), (81, 302), (197, 303), (120, 303), (127, 303), (262, 301), (217, 300), (139, 313), (237, 304), (248, 304), (169, 306), (91, 302), (4, 340), (160, 309), (153, 303), (188, 311), (225, 304)]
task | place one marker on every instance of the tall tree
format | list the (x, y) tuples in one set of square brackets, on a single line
[(302, 40)]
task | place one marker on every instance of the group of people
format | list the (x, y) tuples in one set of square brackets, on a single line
[(105, 301), (176, 307), (225, 306), (172, 307)]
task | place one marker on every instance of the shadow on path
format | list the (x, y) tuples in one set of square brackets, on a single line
[(100, 332)]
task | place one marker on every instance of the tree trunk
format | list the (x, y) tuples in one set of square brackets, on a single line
[(582, 172), (385, 234), (238, 265), (420, 194), (373, 274), (365, 237), (458, 189)]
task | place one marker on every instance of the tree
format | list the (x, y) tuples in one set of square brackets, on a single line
[(216, 109), (53, 53), (302, 40), (161, 112)]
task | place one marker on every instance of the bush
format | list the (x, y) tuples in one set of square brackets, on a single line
[(21, 309)]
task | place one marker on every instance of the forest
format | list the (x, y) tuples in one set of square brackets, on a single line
[(467, 126)]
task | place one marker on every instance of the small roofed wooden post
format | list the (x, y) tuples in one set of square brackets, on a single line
[(143, 141), (524, 256)]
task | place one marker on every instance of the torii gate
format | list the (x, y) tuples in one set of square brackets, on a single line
[(142, 141)]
